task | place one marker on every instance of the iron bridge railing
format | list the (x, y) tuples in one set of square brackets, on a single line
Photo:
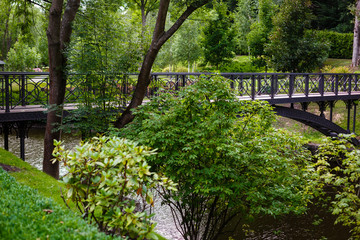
[(23, 89)]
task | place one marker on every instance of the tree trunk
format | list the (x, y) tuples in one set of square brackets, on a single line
[(58, 33), (160, 36), (356, 43)]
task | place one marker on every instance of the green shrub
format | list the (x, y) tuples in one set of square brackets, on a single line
[(241, 67), (228, 160), (336, 171), (106, 177), (341, 44), (340, 69), (21, 57), (24, 214)]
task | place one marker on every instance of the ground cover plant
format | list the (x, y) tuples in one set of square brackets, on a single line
[(25, 214), (30, 176), (225, 155), (111, 184)]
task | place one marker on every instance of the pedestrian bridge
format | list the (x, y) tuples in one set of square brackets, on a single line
[(24, 95)]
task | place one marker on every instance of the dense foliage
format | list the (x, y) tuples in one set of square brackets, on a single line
[(333, 15), (341, 44), (102, 41), (289, 48), (336, 174), (219, 39), (258, 37), (22, 58), (244, 16), (228, 160), (113, 35), (111, 183), (98, 104), (25, 214), (24, 25)]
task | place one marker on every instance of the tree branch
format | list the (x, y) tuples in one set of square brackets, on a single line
[(38, 4), (71, 9), (166, 35)]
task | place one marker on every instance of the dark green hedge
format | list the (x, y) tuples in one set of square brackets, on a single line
[(341, 44), (24, 214)]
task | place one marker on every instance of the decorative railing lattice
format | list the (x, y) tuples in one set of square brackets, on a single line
[(23, 89)]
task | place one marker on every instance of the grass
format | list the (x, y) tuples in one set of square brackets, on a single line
[(340, 113), (30, 176), (334, 62), (25, 214), (242, 58)]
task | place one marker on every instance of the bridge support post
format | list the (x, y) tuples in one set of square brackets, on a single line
[(331, 104), (354, 117), (348, 106), (6, 132), (322, 108), (22, 132)]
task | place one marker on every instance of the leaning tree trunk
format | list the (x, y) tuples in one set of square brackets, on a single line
[(160, 36), (356, 43), (58, 33)]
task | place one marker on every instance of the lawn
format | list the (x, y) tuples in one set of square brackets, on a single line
[(32, 177), (35, 179)]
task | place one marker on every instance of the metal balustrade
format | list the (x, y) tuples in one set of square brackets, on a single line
[(24, 89), (23, 95)]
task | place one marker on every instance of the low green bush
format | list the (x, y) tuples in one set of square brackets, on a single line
[(240, 67), (341, 44), (24, 214), (110, 182)]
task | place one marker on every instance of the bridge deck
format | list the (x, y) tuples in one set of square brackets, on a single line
[(29, 113), (312, 97), (37, 112)]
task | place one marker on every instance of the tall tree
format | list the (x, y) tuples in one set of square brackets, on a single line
[(58, 33), (18, 18), (145, 6), (187, 48), (244, 16), (332, 15), (218, 43), (258, 37), (289, 48), (160, 36), (356, 43)]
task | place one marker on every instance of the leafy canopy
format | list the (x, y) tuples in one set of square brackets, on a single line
[(290, 49)]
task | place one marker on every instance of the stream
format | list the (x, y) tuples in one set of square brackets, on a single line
[(317, 224)]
